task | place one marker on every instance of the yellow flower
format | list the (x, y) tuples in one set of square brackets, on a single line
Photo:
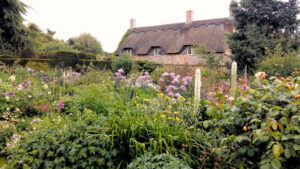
[(167, 111), (174, 102), (177, 118), (188, 103), (175, 112), (169, 107), (145, 116), (170, 118), (138, 104), (168, 98), (160, 95), (163, 116), (181, 98), (146, 100)]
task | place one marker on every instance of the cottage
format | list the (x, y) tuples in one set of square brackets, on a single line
[(173, 43)]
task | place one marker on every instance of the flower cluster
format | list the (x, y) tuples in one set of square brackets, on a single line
[(261, 75), (118, 74), (173, 86), (144, 80)]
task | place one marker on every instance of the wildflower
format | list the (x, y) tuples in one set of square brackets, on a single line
[(297, 96), (175, 112), (169, 107), (53, 120), (7, 98), (174, 102), (168, 98), (138, 104), (260, 75), (183, 88), (49, 92), (167, 112), (188, 103), (172, 75), (12, 78), (230, 98), (177, 119), (34, 128), (291, 85), (163, 116), (187, 79), (45, 86), (161, 80), (160, 94), (146, 100), (170, 118), (177, 95), (165, 74), (181, 98)]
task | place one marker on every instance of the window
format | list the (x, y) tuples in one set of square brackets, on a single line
[(190, 50), (128, 51), (157, 51)]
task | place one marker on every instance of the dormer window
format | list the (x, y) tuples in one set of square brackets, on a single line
[(157, 51), (190, 50), (128, 51)]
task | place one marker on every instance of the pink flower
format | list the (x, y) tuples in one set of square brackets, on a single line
[(177, 95), (165, 74)]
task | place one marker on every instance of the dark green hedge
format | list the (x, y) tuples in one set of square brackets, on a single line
[(63, 59), (89, 56), (146, 65)]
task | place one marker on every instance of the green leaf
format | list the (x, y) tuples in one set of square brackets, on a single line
[(255, 121), (276, 164), (297, 147), (266, 166), (277, 150), (287, 153), (206, 124)]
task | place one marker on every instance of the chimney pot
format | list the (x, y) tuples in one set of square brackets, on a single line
[(132, 23), (189, 16)]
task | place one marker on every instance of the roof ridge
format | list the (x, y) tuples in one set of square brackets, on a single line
[(183, 23)]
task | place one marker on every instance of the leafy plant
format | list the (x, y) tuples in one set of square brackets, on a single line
[(123, 61)]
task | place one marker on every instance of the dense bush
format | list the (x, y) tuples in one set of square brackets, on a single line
[(280, 65), (87, 56), (28, 53), (161, 161), (62, 142), (38, 66), (257, 129), (123, 61), (146, 65), (63, 58)]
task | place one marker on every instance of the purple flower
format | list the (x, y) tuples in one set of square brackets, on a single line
[(161, 80), (177, 95), (121, 71), (62, 106), (183, 88), (165, 74), (172, 75), (9, 94)]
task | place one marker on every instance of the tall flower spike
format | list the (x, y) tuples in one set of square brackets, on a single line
[(197, 95), (233, 78)]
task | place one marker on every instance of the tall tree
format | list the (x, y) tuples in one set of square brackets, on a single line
[(13, 32), (262, 24), (86, 43)]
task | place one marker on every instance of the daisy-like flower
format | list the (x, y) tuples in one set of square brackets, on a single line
[(45, 86), (261, 75)]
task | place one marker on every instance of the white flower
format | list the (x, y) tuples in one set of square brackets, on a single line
[(49, 93), (8, 109), (34, 128), (231, 98), (0, 80), (260, 75), (12, 78), (29, 96), (7, 98), (45, 86)]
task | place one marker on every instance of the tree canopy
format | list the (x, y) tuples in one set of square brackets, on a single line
[(13, 33), (86, 43), (262, 24)]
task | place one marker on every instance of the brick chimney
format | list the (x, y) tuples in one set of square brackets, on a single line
[(132, 23), (189, 16)]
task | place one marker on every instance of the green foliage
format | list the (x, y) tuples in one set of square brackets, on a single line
[(280, 63), (55, 46), (6, 132), (260, 24), (124, 37), (38, 66), (12, 30), (86, 43), (212, 60), (63, 142), (123, 61), (146, 65), (258, 129), (87, 56), (161, 161), (28, 53), (63, 58)]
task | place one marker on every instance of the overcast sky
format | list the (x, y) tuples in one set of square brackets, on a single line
[(108, 20)]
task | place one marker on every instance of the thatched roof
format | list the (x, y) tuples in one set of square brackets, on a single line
[(172, 38)]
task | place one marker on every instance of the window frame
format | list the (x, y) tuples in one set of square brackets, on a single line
[(158, 51), (128, 51), (189, 50)]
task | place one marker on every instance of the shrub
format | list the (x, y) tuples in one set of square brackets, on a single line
[(123, 61), (28, 53), (59, 142), (147, 66), (63, 58), (280, 63), (87, 56), (160, 161), (259, 128), (38, 66), (6, 132)]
